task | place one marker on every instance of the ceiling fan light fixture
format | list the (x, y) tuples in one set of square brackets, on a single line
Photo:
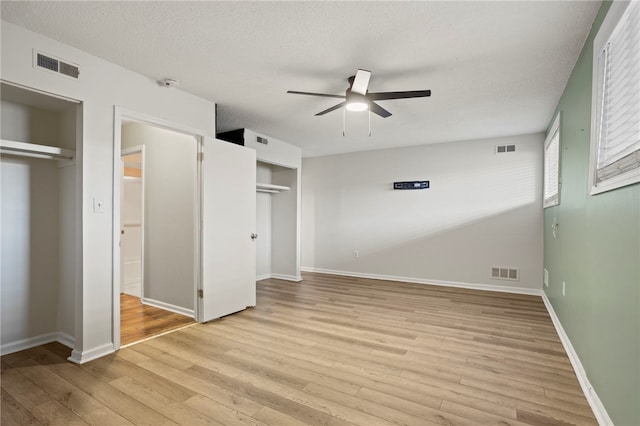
[(357, 106)]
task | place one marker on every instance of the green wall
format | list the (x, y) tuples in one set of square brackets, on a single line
[(597, 254)]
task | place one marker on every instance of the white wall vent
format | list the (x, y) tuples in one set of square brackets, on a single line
[(262, 140), (502, 273), (54, 64), (500, 149)]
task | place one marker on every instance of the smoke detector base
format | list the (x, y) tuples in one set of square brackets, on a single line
[(170, 82)]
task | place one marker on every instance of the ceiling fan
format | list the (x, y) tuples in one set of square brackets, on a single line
[(356, 97)]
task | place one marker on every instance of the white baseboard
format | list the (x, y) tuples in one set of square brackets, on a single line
[(32, 342), (589, 392), (132, 289), (66, 339), (169, 307), (81, 357), (472, 286), (293, 278)]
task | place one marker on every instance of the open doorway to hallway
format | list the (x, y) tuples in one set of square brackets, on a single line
[(157, 231)]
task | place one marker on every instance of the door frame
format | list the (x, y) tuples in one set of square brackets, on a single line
[(123, 153), (122, 114)]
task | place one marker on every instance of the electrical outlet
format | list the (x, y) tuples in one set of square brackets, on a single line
[(546, 277), (355, 253), (564, 285)]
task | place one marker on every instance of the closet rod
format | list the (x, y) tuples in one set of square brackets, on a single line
[(34, 150)]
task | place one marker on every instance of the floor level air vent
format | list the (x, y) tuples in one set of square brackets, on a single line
[(53, 64), (500, 273)]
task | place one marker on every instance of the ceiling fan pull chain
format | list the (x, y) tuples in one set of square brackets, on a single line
[(344, 122), (369, 123)]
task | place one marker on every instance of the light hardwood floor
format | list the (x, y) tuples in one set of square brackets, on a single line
[(328, 351), (138, 321)]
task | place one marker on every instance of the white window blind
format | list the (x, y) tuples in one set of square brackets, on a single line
[(552, 166), (617, 109)]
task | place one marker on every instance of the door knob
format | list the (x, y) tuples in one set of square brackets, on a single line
[(254, 236)]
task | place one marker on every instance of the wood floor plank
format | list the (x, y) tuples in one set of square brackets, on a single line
[(168, 407), (270, 416), (127, 407), (13, 413), (54, 413), (329, 351), (139, 321), (72, 398), (202, 387), (221, 413)]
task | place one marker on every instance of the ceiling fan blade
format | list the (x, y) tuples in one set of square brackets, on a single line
[(326, 95), (333, 108), (377, 109), (361, 82), (398, 95)]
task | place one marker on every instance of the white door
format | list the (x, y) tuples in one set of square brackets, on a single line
[(228, 222)]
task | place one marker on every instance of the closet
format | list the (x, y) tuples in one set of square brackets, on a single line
[(40, 217), (278, 177)]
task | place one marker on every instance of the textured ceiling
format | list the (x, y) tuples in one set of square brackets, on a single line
[(494, 68)]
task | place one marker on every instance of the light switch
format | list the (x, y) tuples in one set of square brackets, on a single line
[(98, 206)]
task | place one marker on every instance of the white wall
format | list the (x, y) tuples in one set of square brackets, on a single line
[(101, 86), (169, 213), (285, 222), (482, 210), (29, 210)]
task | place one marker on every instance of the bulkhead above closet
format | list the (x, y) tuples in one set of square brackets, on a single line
[(269, 150)]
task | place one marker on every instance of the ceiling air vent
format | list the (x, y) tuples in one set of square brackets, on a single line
[(51, 63), (500, 273), (262, 140), (500, 149)]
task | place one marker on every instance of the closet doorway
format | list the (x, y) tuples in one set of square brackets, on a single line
[(158, 194)]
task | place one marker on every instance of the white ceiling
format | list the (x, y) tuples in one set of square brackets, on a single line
[(494, 68)]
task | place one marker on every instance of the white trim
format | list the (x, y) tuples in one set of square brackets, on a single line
[(65, 339), (293, 278), (555, 128), (472, 286), (168, 307), (32, 342), (619, 181), (608, 26), (81, 357), (589, 392)]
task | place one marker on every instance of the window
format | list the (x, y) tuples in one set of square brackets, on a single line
[(615, 115), (552, 165)]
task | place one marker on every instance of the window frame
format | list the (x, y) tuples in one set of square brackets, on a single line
[(607, 29), (555, 129)]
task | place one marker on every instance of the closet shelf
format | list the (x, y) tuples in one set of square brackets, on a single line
[(271, 189), (34, 150)]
